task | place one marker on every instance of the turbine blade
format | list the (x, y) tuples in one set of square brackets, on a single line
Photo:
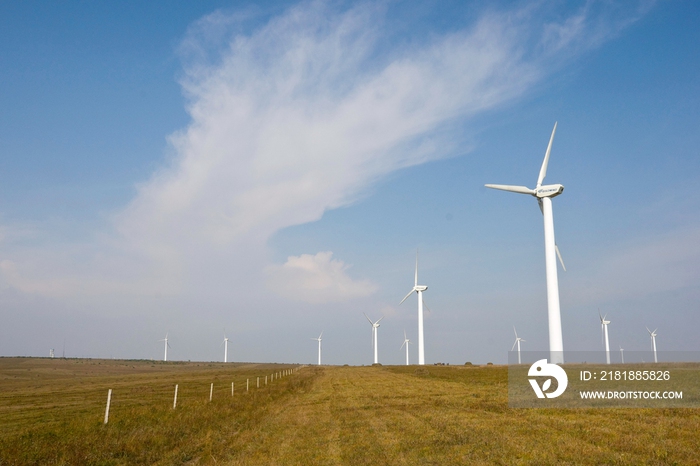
[(319, 337), (512, 189), (543, 169), (404, 334), (516, 333), (405, 298), (404, 344), (416, 281), (515, 343), (539, 203), (426, 307), (370, 320), (379, 319), (561, 261)]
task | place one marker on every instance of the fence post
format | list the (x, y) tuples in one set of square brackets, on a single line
[(175, 399), (109, 400), (211, 391), (231, 388), (258, 382), (246, 384)]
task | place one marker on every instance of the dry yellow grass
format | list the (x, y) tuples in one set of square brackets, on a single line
[(320, 415)]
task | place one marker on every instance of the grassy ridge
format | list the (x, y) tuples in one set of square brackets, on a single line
[(327, 415)]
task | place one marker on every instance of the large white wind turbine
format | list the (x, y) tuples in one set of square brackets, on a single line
[(319, 347), (165, 358), (653, 341), (225, 343), (517, 342), (418, 289), (544, 195), (375, 326), (406, 342), (604, 332)]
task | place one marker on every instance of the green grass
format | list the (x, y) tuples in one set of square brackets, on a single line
[(51, 412)]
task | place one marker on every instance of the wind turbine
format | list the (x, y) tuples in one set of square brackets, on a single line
[(544, 195), (406, 342), (165, 358), (225, 343), (653, 341), (622, 355), (517, 342), (375, 326), (319, 347), (418, 289), (604, 332)]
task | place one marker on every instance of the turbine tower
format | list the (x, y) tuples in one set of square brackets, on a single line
[(418, 289), (406, 342), (517, 342), (653, 341), (167, 345), (319, 347), (604, 332), (225, 343), (622, 355), (375, 326), (544, 195)]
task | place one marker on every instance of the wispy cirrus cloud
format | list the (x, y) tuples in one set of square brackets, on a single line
[(297, 116)]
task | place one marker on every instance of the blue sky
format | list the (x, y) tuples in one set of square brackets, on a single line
[(270, 170)]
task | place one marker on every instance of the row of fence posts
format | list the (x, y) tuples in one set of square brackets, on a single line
[(273, 376)]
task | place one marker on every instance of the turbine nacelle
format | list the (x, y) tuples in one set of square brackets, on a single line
[(550, 190), (420, 288)]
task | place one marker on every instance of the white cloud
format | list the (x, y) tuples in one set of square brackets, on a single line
[(316, 279), (297, 117)]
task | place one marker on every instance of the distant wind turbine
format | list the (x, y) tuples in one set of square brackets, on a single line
[(375, 326), (517, 342), (652, 335), (406, 342), (544, 195), (319, 347), (225, 343), (418, 289), (604, 333), (165, 358), (622, 355)]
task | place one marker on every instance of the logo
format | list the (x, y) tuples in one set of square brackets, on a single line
[(543, 369)]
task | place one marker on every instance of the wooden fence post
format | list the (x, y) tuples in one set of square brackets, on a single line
[(109, 400)]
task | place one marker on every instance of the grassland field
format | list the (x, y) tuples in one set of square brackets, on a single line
[(52, 413)]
